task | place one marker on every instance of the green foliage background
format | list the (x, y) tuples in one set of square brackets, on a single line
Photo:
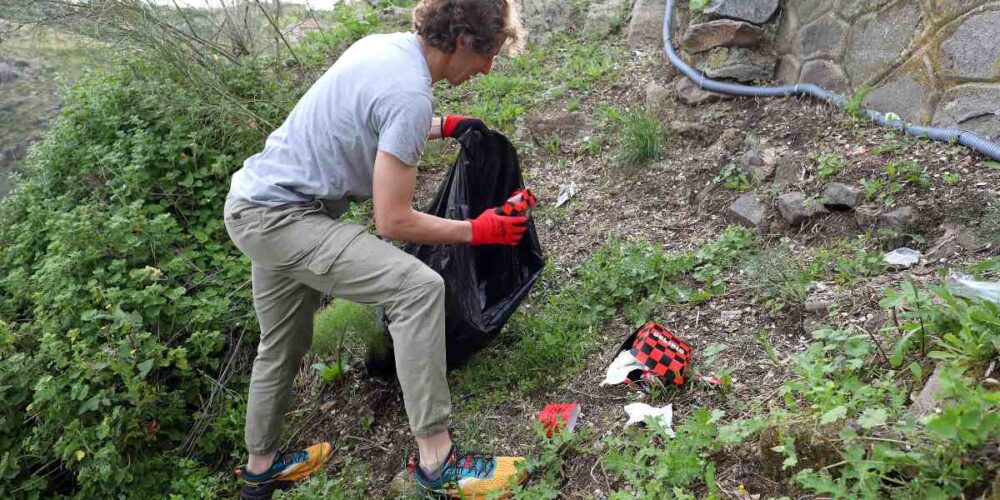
[(121, 297)]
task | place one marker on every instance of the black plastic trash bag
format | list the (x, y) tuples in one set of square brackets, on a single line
[(484, 284)]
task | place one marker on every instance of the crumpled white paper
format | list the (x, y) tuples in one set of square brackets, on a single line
[(620, 368), (638, 412), (964, 285)]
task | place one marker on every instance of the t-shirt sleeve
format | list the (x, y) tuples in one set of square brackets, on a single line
[(402, 120)]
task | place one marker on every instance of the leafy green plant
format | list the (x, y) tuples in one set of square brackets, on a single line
[(732, 178), (763, 337), (951, 178), (908, 171), (698, 5), (829, 165), (872, 188)]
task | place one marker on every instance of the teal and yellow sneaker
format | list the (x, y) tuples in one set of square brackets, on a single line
[(470, 475), (284, 472)]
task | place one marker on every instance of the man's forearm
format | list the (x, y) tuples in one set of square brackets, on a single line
[(418, 227), (435, 130)]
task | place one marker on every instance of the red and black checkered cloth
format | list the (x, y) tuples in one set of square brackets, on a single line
[(664, 354)]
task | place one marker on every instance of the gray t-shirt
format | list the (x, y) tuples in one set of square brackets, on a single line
[(377, 96)]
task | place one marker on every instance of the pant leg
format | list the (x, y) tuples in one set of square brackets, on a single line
[(373, 272), (285, 309)]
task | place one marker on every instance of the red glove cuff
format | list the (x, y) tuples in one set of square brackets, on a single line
[(448, 124)]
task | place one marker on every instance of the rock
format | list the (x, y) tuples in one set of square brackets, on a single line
[(973, 51), (897, 219), (824, 37), (656, 95), (901, 96), (826, 74), (753, 165), (811, 9), (689, 130), (818, 306), (973, 107), (929, 395), (605, 17), (729, 140), (866, 216), (788, 172), (795, 208), (955, 238), (850, 9), (565, 125), (902, 258), (877, 39), (542, 18), (748, 211), (754, 11), (720, 33), (841, 197), (788, 69), (645, 31), (738, 63), (689, 93), (401, 485)]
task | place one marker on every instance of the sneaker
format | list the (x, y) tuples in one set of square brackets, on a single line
[(286, 469), (470, 475)]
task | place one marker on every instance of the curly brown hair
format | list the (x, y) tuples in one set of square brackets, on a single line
[(486, 25)]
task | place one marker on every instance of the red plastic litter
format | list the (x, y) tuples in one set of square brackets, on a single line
[(558, 416), (664, 354), (711, 379)]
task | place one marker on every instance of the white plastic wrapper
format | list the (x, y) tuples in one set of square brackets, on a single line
[(620, 368), (902, 257), (638, 412), (963, 285)]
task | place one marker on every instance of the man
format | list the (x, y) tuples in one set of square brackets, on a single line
[(359, 133)]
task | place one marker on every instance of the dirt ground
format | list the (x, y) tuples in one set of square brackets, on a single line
[(673, 201)]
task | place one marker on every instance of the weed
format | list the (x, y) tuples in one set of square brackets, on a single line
[(847, 262), (698, 5), (830, 165), (908, 171), (763, 337), (732, 178), (893, 142), (776, 279), (872, 188), (854, 104), (951, 178), (342, 320), (643, 140)]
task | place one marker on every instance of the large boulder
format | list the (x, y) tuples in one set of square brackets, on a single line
[(826, 74), (720, 33), (841, 197), (906, 96), (754, 11), (691, 94), (878, 38)]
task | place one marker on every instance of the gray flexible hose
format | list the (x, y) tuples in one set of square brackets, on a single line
[(968, 139)]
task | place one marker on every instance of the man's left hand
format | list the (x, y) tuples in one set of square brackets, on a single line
[(455, 125)]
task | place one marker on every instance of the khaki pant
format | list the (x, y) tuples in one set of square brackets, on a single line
[(301, 252)]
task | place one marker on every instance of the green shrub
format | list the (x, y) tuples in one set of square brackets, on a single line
[(343, 320), (122, 299)]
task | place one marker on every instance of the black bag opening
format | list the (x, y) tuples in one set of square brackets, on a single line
[(484, 284)]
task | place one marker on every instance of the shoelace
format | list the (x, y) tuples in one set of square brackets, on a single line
[(479, 465)]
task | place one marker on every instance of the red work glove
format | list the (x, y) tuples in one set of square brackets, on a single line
[(491, 228), (455, 125)]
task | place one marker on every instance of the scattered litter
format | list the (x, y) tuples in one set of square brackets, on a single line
[(556, 417), (653, 353), (638, 412), (566, 192), (963, 285), (902, 257), (619, 370), (711, 379)]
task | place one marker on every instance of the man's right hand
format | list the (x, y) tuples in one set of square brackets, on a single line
[(491, 228)]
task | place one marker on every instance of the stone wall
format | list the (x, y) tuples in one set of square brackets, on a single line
[(929, 61)]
